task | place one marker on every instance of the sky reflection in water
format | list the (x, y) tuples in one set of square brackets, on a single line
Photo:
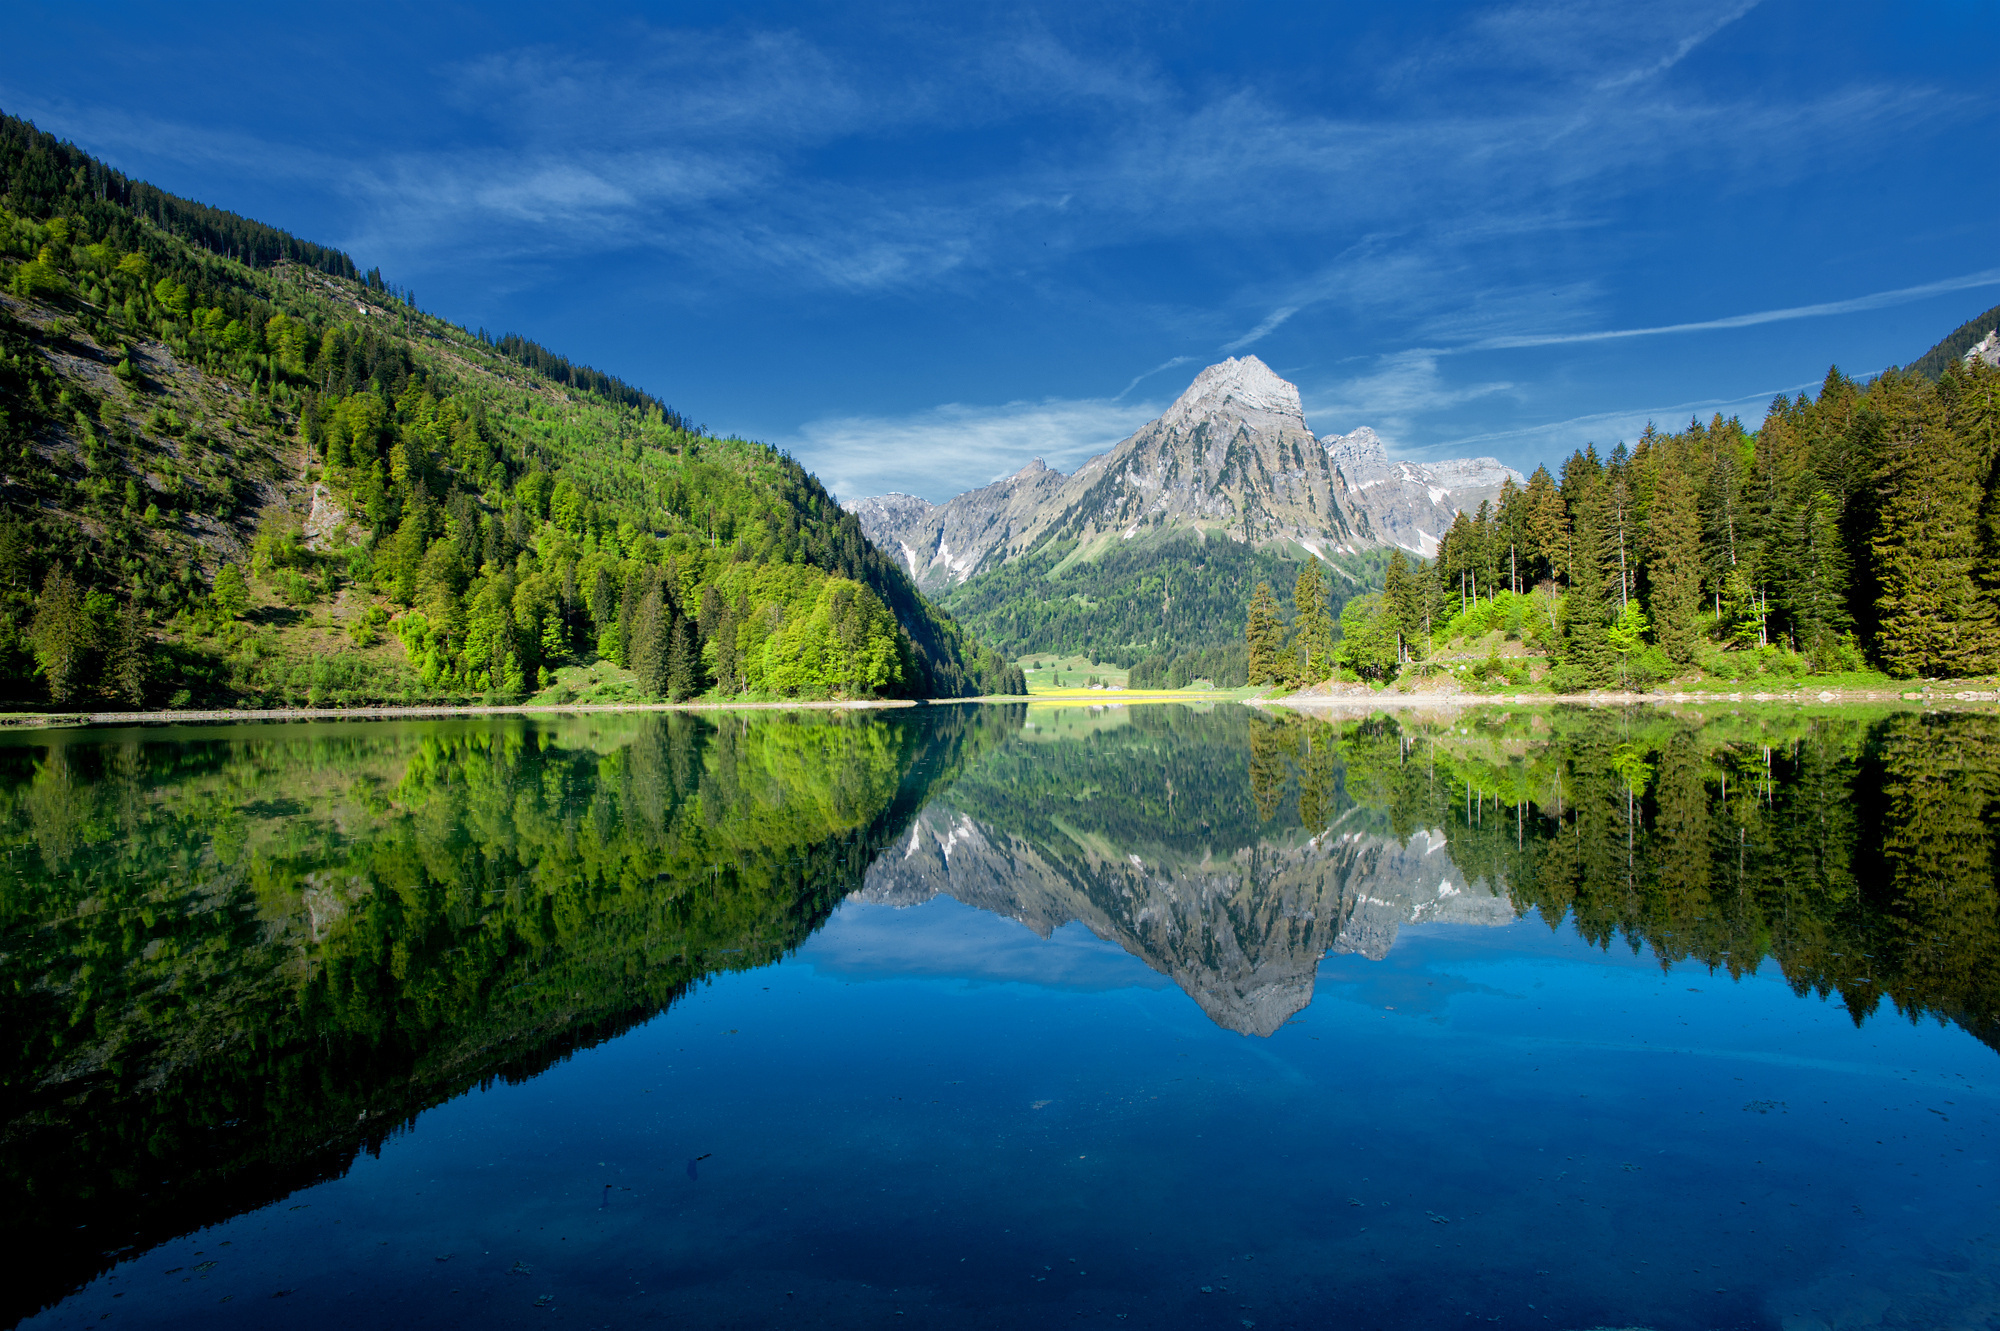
[(1010, 1018)]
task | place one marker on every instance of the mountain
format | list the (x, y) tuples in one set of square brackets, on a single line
[(1411, 504), (1242, 934), (1180, 834), (235, 471), (1975, 334), (1233, 456)]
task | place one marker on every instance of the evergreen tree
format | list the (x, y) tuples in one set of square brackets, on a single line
[(1547, 524), (1264, 636), (128, 665), (652, 636), (1935, 617), (1810, 570), (1585, 619), (1673, 547), (1313, 623), (1510, 532), (683, 660), (1403, 600), (63, 634), (230, 593)]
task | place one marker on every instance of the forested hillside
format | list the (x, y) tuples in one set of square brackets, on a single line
[(234, 470), (1166, 605), (1856, 528)]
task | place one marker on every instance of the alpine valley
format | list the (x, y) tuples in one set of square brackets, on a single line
[(1151, 549)]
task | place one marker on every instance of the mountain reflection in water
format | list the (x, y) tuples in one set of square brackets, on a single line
[(237, 957), (1232, 849)]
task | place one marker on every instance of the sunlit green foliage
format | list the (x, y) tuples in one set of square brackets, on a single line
[(499, 500)]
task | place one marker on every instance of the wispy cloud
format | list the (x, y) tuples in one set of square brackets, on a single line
[(949, 449), (1879, 300), (1138, 379), (1681, 49), (1606, 428), (1271, 323), (1392, 397)]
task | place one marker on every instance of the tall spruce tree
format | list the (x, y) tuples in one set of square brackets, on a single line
[(1264, 637), (1935, 618), (63, 635), (1673, 551), (1547, 528), (1312, 620), (1585, 618)]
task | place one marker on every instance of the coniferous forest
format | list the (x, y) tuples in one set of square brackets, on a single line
[(1856, 529), (236, 471)]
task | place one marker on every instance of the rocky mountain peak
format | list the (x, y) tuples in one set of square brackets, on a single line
[(1245, 388), (1985, 349)]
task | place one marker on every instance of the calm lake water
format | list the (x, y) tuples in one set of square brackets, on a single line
[(1005, 1017)]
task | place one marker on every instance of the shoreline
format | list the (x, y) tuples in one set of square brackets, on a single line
[(56, 720), (1344, 700), (1611, 698)]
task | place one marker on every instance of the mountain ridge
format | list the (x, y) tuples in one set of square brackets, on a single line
[(1232, 455)]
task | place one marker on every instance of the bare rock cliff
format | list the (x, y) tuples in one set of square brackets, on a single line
[(1233, 455)]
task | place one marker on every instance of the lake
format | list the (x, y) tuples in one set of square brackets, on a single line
[(1006, 1016)]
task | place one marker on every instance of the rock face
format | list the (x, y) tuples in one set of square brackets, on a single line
[(1233, 455), (1412, 504), (943, 544), (1986, 349), (1242, 935)]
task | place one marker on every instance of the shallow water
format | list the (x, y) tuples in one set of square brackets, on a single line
[(1007, 1017)]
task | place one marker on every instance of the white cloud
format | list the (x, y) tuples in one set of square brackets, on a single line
[(1138, 379), (949, 449), (1272, 322), (1392, 397), (1879, 300), (1551, 441)]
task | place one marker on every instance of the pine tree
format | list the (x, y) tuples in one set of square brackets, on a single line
[(1313, 622), (1811, 573), (1403, 599), (1547, 528), (1585, 619), (1264, 636), (1510, 531), (683, 672), (1935, 618), (127, 667), (1673, 548), (652, 633), (62, 634)]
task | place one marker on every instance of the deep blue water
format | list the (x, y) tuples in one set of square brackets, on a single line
[(1494, 1124), (929, 1115)]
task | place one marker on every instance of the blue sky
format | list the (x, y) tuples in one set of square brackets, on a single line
[(919, 245)]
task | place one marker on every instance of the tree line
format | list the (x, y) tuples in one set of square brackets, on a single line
[(507, 525), (1856, 528), (1853, 848), (43, 176)]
